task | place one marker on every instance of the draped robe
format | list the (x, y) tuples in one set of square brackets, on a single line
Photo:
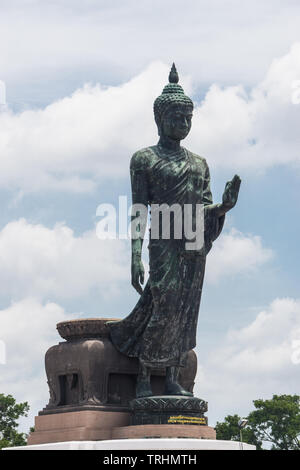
[(162, 326)]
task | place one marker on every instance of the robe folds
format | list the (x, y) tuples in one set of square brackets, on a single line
[(161, 328)]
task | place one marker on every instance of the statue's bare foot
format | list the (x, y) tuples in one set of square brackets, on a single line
[(143, 389), (174, 388)]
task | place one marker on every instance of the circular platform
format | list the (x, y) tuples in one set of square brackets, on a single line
[(168, 409)]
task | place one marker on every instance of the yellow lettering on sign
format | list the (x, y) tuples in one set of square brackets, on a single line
[(186, 419)]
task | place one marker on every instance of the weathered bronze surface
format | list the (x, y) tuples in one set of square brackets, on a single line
[(162, 326), (86, 372)]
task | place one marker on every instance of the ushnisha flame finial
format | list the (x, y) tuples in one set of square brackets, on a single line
[(173, 75)]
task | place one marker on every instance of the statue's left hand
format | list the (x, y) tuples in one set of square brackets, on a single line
[(137, 273), (231, 192)]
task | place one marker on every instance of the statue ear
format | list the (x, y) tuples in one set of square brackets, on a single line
[(158, 123)]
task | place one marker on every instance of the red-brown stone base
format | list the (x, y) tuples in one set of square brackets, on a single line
[(164, 431), (88, 425), (85, 425)]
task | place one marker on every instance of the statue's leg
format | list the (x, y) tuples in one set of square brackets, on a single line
[(172, 387), (143, 385)]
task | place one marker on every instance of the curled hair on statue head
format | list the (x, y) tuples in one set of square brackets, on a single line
[(172, 94)]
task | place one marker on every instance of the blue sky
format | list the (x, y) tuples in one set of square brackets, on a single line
[(81, 78)]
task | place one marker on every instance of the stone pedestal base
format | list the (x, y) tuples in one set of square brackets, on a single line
[(151, 417), (104, 425), (164, 431), (91, 385), (86, 425)]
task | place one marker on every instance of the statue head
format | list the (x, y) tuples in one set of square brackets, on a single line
[(173, 110)]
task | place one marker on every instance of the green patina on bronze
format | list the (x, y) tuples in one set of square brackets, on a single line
[(162, 326)]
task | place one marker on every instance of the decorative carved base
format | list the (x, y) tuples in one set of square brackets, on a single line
[(87, 370), (175, 410)]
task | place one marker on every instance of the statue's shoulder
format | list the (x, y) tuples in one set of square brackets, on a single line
[(197, 159), (143, 158)]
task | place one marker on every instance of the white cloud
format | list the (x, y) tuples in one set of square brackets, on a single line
[(28, 330), (213, 40), (54, 263), (234, 253), (76, 143), (257, 129), (253, 362)]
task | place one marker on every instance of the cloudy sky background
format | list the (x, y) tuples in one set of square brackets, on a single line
[(81, 78)]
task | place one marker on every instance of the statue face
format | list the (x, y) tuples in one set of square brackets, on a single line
[(177, 121)]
